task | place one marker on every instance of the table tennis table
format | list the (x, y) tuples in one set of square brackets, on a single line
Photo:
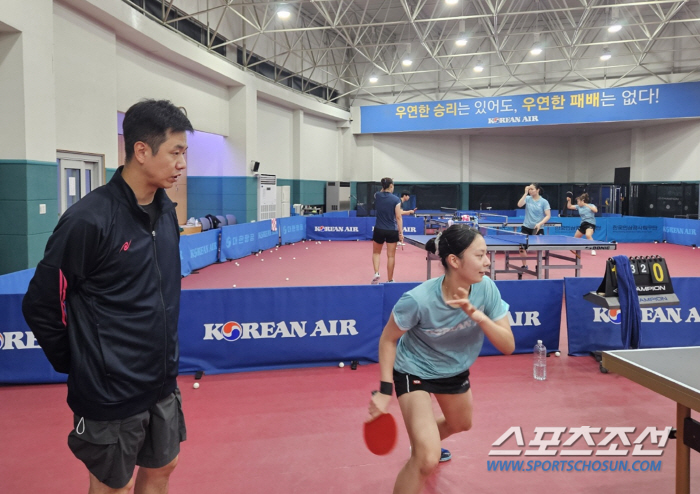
[(545, 247), (443, 223), (675, 374)]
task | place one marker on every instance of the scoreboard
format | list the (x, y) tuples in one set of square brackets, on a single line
[(651, 277)]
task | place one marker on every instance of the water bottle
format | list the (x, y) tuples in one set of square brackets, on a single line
[(539, 369)]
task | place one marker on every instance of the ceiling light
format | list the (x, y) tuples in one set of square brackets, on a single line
[(283, 12), (478, 67), (451, 2), (614, 26), (406, 62), (462, 40), (373, 79), (536, 48), (606, 55)]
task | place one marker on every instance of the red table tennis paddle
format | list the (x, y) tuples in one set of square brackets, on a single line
[(381, 434)]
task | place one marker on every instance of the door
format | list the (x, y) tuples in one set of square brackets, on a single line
[(78, 175)]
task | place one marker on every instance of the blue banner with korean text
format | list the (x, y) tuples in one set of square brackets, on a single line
[(292, 229), (198, 250), (681, 100), (268, 234), (239, 241), (634, 229)]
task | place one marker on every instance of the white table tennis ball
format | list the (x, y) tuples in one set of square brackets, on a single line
[(195, 385), (234, 286), (294, 258), (557, 354), (341, 364), (280, 258)]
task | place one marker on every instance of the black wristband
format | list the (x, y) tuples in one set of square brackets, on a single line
[(386, 388)]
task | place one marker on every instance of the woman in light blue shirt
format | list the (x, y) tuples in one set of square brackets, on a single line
[(587, 213), (433, 336)]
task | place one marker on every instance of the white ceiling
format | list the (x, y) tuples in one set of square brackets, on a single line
[(341, 43)]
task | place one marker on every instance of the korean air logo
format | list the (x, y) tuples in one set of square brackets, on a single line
[(615, 316), (231, 331), (320, 228)]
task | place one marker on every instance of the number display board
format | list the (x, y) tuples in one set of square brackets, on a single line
[(650, 276)]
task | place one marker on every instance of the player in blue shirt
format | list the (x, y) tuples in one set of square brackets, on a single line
[(434, 335), (388, 228), (587, 213), (537, 213)]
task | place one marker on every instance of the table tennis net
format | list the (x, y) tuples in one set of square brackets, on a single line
[(492, 218), (504, 235)]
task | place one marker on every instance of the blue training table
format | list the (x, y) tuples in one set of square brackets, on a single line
[(546, 248)]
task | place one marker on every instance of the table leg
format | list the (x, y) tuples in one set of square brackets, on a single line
[(682, 452)]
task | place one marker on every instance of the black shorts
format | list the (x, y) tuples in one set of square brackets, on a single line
[(111, 450), (585, 226), (405, 383), (389, 236), (531, 231)]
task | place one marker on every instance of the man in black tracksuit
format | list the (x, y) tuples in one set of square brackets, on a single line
[(104, 305)]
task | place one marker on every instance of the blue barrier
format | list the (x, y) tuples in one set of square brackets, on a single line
[(265, 328), (16, 282), (682, 231), (569, 225), (199, 250), (239, 241), (411, 226), (320, 228), (592, 328), (634, 229), (336, 214), (269, 328), (21, 357), (292, 230), (267, 238)]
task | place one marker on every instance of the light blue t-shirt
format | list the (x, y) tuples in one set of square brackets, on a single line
[(586, 214), (440, 340), (385, 206), (534, 211)]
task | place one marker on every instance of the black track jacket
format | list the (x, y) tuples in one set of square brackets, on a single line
[(105, 300)]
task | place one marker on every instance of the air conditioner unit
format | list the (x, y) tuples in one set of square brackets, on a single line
[(337, 196), (267, 196)]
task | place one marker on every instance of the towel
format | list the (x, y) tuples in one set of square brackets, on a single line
[(630, 312)]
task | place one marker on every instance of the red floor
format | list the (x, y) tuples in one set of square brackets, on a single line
[(299, 430), (350, 263)]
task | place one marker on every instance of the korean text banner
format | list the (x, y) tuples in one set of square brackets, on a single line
[(267, 237), (292, 229), (265, 328), (591, 328), (621, 104), (239, 241)]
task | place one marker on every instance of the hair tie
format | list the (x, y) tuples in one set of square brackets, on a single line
[(437, 244)]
